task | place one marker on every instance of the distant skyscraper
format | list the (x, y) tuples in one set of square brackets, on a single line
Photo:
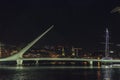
[(2, 49), (107, 46), (73, 51), (107, 43), (63, 51)]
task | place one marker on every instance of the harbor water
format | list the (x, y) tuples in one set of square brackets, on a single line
[(58, 73)]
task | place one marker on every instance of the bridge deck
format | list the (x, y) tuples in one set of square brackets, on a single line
[(65, 59)]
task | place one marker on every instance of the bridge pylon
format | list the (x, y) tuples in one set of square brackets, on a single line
[(18, 56), (19, 62)]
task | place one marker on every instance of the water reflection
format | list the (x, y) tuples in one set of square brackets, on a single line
[(58, 73), (19, 76), (98, 75), (107, 73)]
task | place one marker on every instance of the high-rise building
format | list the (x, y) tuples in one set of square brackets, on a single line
[(2, 50)]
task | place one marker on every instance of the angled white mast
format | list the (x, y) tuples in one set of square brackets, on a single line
[(21, 52)]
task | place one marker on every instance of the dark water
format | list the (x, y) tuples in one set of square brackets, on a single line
[(58, 73)]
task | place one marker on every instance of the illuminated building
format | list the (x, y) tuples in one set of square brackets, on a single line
[(75, 51), (60, 50), (63, 51), (2, 50)]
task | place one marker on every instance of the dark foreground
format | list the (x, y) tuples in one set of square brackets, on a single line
[(58, 73)]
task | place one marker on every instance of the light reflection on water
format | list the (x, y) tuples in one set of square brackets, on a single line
[(107, 73), (58, 73)]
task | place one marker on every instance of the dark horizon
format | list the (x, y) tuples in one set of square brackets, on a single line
[(78, 23)]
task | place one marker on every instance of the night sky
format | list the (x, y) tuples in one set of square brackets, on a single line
[(80, 23)]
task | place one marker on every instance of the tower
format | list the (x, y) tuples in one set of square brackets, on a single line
[(107, 46), (63, 51), (2, 50), (107, 43), (73, 51)]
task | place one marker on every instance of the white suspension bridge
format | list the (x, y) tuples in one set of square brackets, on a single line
[(19, 59)]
